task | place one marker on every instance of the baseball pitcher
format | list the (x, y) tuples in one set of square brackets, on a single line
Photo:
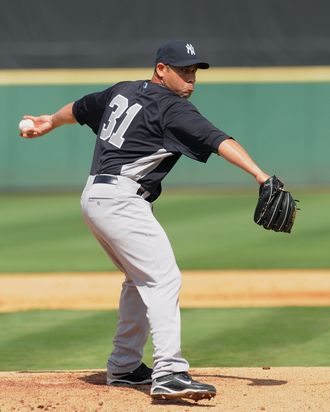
[(142, 128)]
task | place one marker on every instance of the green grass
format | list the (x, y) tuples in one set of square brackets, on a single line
[(242, 337), (46, 233)]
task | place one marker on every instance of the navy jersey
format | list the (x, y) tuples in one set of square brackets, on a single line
[(142, 130)]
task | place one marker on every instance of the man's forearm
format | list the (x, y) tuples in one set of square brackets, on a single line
[(47, 122), (234, 153), (63, 116)]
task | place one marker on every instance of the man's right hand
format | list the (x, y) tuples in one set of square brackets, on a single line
[(42, 125)]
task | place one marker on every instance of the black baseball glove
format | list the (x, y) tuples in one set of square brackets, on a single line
[(276, 208)]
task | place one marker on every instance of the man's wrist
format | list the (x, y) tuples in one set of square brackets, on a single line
[(261, 177)]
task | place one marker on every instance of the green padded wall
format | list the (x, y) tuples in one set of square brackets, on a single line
[(284, 126)]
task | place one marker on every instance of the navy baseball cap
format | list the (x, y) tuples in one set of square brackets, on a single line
[(179, 53)]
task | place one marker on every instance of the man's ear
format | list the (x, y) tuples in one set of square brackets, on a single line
[(159, 69)]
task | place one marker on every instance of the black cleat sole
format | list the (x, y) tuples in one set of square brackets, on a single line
[(195, 396)]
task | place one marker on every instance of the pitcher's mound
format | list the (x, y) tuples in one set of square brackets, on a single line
[(239, 390)]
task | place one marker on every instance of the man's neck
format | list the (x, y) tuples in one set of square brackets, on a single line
[(156, 79)]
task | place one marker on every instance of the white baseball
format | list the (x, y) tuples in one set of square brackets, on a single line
[(25, 124)]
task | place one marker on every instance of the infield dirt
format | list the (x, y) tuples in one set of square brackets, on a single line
[(239, 390), (248, 288)]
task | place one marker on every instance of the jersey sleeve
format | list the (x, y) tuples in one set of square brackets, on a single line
[(190, 133), (89, 109)]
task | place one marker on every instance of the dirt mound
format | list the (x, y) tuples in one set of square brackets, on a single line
[(239, 390)]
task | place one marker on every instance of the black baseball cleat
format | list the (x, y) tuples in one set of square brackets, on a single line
[(140, 376), (180, 385)]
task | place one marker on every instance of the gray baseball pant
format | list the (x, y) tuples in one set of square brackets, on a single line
[(125, 226)]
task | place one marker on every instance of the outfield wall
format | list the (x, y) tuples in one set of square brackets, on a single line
[(282, 120)]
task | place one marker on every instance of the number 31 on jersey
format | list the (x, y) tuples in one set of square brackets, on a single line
[(121, 107)]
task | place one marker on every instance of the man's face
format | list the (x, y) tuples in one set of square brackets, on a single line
[(180, 80)]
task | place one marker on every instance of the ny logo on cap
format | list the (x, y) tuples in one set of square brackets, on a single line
[(190, 49)]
